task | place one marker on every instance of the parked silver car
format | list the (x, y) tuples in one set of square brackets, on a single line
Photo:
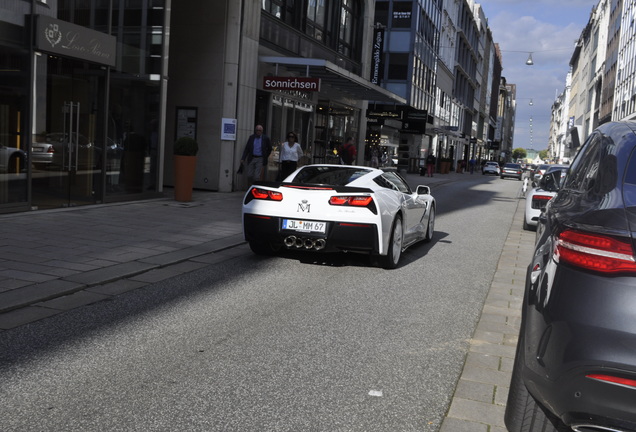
[(12, 160)]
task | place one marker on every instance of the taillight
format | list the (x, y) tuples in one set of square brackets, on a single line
[(542, 197), (595, 252), (358, 201), (51, 149), (353, 201), (613, 380), (265, 194)]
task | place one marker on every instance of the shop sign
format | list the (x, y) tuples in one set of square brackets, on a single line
[(70, 40), (376, 56), (291, 83), (383, 114)]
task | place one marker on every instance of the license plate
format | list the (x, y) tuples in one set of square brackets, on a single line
[(304, 226)]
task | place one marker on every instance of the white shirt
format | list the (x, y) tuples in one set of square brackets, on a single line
[(293, 153)]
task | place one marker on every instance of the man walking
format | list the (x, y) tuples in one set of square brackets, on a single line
[(256, 154)]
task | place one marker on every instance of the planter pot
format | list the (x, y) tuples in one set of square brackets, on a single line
[(184, 169), (444, 167)]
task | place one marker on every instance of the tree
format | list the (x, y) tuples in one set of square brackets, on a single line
[(543, 155), (519, 153)]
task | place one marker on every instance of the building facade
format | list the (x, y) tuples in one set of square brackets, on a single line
[(81, 106)]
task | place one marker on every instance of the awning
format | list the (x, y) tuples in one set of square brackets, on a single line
[(336, 77)]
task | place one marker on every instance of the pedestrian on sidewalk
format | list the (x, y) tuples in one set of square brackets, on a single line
[(430, 164), (472, 165), (290, 154), (348, 152), (256, 153)]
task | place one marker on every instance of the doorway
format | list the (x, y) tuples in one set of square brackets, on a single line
[(67, 152)]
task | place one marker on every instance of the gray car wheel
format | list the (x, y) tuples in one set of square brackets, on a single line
[(390, 261), (523, 413), (430, 229)]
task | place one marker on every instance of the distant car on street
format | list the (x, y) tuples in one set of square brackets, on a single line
[(537, 198), (513, 170), (538, 173), (491, 168)]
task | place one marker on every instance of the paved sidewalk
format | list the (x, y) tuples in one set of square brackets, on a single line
[(480, 396), (56, 260)]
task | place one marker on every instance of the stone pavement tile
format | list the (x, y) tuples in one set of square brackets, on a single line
[(19, 317), (477, 360), (505, 311), (72, 301), (109, 274), (479, 412), (498, 327), (457, 425), (35, 293), (117, 287), (77, 266), (493, 318), (482, 337), (25, 276), (9, 284), (501, 395), (486, 376), (168, 272), (473, 390), (495, 350)]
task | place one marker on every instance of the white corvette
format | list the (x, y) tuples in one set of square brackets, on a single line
[(337, 208)]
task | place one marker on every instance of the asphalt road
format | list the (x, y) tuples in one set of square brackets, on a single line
[(287, 343)]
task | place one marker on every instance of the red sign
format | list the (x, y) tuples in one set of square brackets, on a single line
[(291, 83)]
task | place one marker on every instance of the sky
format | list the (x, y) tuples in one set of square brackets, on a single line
[(549, 29)]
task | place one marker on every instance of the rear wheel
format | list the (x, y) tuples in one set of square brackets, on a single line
[(523, 413), (430, 229), (390, 261)]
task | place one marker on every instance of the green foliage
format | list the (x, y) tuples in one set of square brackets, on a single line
[(186, 146), (519, 153), (543, 154)]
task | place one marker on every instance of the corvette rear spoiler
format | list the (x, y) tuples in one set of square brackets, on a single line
[(310, 186)]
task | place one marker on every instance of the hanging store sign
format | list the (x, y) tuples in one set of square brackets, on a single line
[(70, 40), (291, 83), (376, 56)]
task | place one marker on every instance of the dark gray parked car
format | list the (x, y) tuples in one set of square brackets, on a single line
[(575, 367)]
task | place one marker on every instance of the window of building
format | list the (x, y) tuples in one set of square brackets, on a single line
[(398, 66)]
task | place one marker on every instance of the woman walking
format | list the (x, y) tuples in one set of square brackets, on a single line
[(290, 154)]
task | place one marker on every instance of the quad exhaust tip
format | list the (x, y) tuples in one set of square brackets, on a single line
[(304, 242)]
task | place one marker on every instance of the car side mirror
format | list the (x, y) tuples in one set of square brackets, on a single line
[(423, 190), (551, 182)]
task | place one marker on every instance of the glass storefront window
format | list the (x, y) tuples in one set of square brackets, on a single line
[(14, 72)]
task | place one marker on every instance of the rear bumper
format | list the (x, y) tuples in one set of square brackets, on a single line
[(581, 325), (338, 236)]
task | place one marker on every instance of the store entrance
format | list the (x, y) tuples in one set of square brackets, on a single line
[(67, 148)]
